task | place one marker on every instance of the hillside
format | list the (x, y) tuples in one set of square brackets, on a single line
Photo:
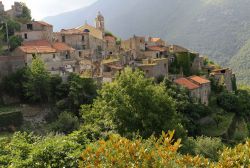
[(218, 28)]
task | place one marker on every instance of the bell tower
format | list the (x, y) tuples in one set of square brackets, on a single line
[(100, 22)]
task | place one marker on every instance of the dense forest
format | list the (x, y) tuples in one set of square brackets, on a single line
[(130, 121)]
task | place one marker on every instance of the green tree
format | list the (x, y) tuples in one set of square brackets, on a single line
[(26, 15), (66, 123), (14, 42), (37, 86), (132, 104)]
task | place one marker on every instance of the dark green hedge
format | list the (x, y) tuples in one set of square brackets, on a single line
[(11, 118)]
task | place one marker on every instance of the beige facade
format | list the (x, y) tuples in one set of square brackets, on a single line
[(86, 45), (36, 30), (137, 46), (154, 68)]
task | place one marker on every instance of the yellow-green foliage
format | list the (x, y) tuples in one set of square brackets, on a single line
[(236, 157), (122, 152)]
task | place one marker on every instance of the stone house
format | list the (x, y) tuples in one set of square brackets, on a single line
[(36, 30), (110, 68), (205, 88), (58, 57), (153, 68), (86, 45), (194, 89), (199, 88), (225, 76), (156, 52), (177, 49), (137, 46), (111, 48)]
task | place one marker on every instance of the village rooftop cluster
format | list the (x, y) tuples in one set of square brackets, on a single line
[(93, 52)]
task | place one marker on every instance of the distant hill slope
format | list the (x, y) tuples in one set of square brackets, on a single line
[(218, 28)]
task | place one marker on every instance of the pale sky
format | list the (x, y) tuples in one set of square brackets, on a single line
[(42, 8)]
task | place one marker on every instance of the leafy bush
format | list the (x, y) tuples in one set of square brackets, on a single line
[(208, 147), (121, 152), (26, 150), (66, 123)]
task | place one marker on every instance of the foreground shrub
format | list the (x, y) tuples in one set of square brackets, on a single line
[(26, 150), (122, 152), (236, 157)]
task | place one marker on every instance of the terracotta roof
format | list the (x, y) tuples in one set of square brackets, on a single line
[(186, 83), (36, 43), (156, 48), (155, 39), (62, 47), (43, 23), (199, 79), (71, 31), (37, 49), (110, 38)]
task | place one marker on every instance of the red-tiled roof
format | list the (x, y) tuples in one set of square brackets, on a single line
[(155, 39), (43, 23), (186, 83), (62, 47), (36, 43), (37, 49), (199, 79), (156, 48)]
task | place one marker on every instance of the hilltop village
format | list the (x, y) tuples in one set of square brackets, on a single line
[(94, 52)]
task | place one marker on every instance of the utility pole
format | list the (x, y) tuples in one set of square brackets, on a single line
[(7, 35)]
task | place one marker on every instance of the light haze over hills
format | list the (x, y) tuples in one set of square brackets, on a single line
[(218, 28)]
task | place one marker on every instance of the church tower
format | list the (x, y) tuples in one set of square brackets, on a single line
[(100, 22)]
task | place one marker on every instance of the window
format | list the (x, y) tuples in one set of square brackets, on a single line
[(25, 36), (67, 56), (80, 53), (157, 55), (29, 26), (83, 38), (54, 56), (165, 65), (83, 47), (63, 39)]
